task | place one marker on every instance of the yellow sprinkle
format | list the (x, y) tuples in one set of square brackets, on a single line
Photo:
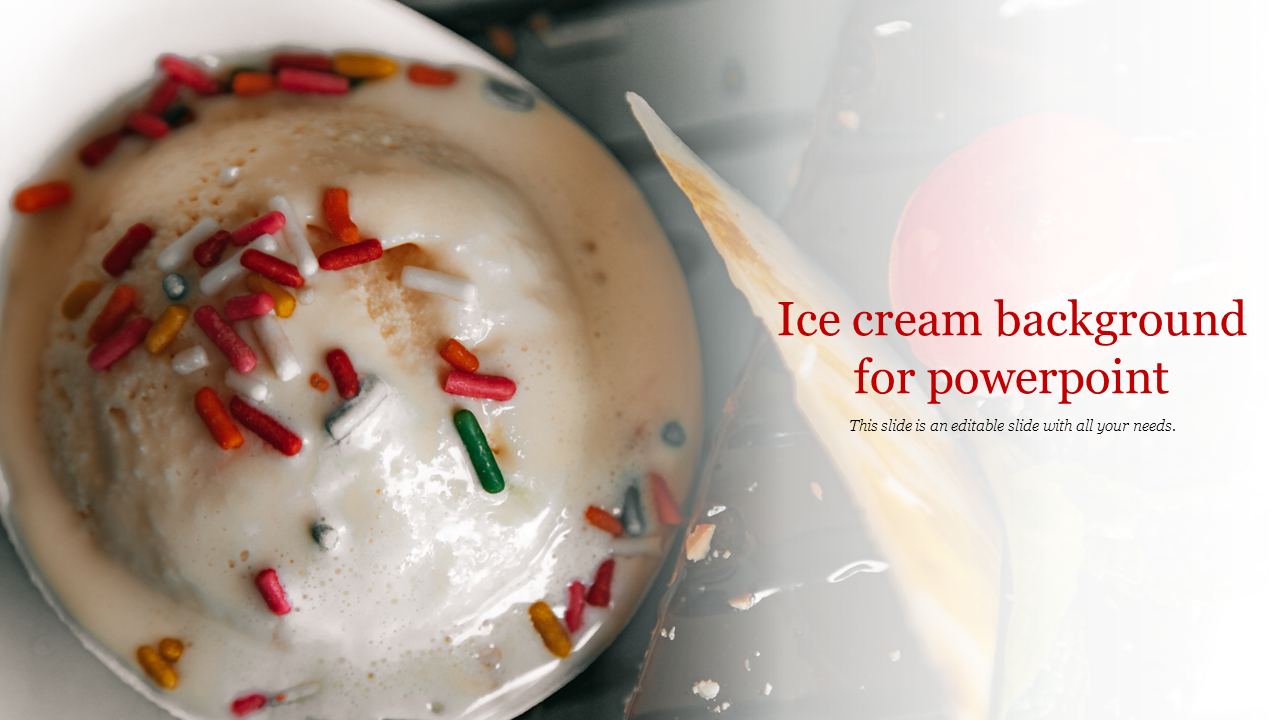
[(171, 649), (156, 668), (78, 299), (165, 328), (362, 65), (284, 299), (548, 626)]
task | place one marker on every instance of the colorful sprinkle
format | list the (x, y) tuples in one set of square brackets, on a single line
[(215, 417), (673, 434), (663, 501), (283, 299), (301, 60), (99, 148), (163, 94), (576, 606), (457, 355), (423, 74), (209, 251), (326, 536), (549, 627), (293, 235), (243, 307), (363, 65), (153, 126), (118, 344), (189, 74), (226, 339), (171, 649), (120, 256), (273, 339), (343, 372), (309, 81), (217, 279), (507, 97), (354, 412), (319, 382), (600, 594), (160, 672), (269, 585), (175, 286), (118, 305), (265, 225), (246, 385), (77, 301), (488, 387), (345, 257), (338, 216), (179, 250), (35, 198), (433, 282), (633, 513), (486, 467), (604, 520), (166, 328), (266, 427), (190, 360), (246, 705), (249, 84), (272, 268)]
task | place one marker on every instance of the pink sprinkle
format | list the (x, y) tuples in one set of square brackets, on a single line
[(248, 704), (189, 74), (310, 81), (490, 387), (252, 230), (164, 94), (269, 585), (119, 343), (243, 307), (147, 124), (577, 604), (224, 336)]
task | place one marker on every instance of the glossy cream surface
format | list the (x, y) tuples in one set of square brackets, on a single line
[(143, 528)]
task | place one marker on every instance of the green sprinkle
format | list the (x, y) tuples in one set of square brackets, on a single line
[(478, 448)]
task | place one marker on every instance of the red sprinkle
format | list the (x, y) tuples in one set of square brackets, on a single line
[(34, 198), (310, 81), (120, 256), (428, 75), (97, 149), (209, 252), (344, 257), (189, 74), (269, 429), (248, 704), (118, 305), (268, 582), (250, 231), (577, 604), (272, 268), (459, 356), (147, 124), (129, 336), (243, 307), (224, 336), (164, 94), (344, 374), (489, 387), (663, 501), (302, 60), (599, 594)]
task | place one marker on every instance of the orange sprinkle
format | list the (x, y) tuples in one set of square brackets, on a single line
[(113, 313), (248, 84), (171, 649), (215, 417), (338, 217), (549, 627), (35, 198), (459, 357), (160, 671), (428, 75), (604, 520), (663, 502), (318, 382), (74, 304), (502, 40)]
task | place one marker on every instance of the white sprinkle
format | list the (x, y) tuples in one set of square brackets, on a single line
[(752, 487), (715, 510), (744, 601), (306, 296), (895, 656), (228, 176), (715, 553), (271, 334), (768, 688), (353, 412), (650, 545), (746, 663), (296, 693), (698, 544), (439, 283), (222, 275), (180, 250), (706, 689), (672, 633), (726, 553), (817, 490), (247, 386), (297, 239), (190, 360), (664, 632)]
